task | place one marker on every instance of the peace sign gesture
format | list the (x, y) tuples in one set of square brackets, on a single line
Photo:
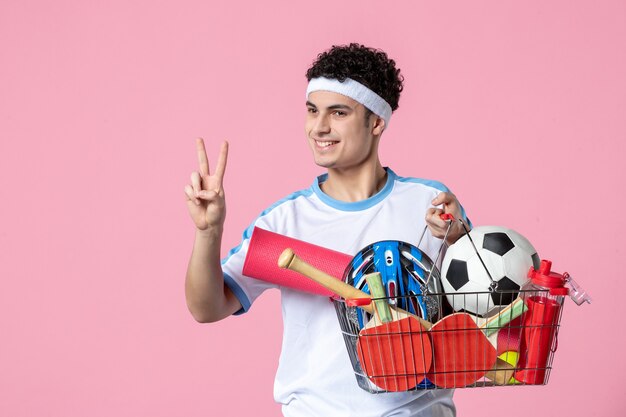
[(205, 195)]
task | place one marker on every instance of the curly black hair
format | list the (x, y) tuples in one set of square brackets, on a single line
[(371, 67)]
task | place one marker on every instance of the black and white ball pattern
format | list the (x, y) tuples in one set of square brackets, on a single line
[(506, 254)]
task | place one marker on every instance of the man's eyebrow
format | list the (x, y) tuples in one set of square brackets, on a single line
[(333, 107), (339, 107)]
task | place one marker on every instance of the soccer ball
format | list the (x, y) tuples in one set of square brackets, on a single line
[(507, 256)]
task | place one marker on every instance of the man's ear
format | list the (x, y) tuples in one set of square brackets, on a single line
[(379, 126)]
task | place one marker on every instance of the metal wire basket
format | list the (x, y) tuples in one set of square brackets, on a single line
[(440, 345), (508, 348)]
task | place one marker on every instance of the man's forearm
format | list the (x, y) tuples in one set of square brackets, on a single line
[(207, 298)]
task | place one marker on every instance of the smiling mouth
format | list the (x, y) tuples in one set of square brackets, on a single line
[(325, 144)]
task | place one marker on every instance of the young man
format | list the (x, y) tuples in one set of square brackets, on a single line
[(351, 94)]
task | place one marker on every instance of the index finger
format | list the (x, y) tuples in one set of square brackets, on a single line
[(202, 159), (443, 197)]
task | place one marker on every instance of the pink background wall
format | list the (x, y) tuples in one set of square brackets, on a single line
[(520, 107)]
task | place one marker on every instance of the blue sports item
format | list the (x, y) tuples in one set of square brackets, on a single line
[(404, 270)]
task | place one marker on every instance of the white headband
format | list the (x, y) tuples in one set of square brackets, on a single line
[(356, 91)]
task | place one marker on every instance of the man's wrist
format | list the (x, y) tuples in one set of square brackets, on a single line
[(211, 232)]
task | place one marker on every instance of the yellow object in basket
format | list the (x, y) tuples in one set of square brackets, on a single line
[(511, 357)]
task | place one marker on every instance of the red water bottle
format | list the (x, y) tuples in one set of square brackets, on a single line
[(544, 296)]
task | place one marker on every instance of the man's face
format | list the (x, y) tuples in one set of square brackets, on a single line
[(340, 133)]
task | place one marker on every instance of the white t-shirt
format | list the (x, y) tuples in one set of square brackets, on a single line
[(315, 376)]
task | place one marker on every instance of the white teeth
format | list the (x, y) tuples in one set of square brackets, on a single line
[(324, 144)]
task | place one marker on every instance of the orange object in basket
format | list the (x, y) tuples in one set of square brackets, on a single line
[(461, 352), (395, 355)]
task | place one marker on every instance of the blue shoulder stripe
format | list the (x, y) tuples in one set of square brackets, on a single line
[(248, 232), (437, 185), (431, 183)]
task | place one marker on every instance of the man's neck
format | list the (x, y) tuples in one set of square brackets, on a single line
[(355, 184)]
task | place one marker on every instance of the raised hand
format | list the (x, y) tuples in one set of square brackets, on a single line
[(205, 195)]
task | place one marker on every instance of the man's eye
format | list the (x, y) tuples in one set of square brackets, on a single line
[(339, 113), (311, 110)]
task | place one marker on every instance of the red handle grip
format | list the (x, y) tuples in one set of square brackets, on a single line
[(446, 216), (358, 302)]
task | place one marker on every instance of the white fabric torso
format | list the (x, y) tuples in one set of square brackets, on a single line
[(315, 376)]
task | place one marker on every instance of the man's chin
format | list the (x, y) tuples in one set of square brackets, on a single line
[(323, 163)]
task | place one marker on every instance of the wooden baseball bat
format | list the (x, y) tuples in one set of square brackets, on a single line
[(289, 260)]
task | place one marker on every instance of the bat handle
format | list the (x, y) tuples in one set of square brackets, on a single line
[(285, 258), (289, 260)]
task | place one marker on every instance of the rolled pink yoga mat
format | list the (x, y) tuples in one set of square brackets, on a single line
[(265, 248)]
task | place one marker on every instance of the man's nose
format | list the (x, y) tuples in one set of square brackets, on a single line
[(322, 125)]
